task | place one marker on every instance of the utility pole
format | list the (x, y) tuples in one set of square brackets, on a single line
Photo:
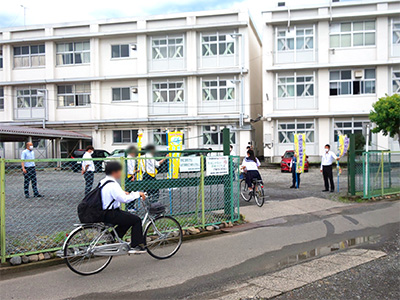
[(24, 7)]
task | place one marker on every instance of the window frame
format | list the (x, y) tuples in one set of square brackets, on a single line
[(122, 100), (218, 87), (395, 80), (22, 97), (120, 51), (295, 130), (351, 32), (218, 134), (218, 42), (73, 52), (395, 22), (294, 29), (131, 136), (74, 94), (2, 98), (168, 89), (350, 82), (167, 47), (353, 128), (30, 56), (296, 82)]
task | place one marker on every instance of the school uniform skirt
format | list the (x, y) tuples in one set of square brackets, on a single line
[(252, 175)]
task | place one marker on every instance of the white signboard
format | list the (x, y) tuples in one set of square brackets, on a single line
[(217, 165), (189, 164)]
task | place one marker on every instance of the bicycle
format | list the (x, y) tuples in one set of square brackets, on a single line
[(257, 192), (89, 248)]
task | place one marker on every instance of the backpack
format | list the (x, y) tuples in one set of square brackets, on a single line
[(90, 209)]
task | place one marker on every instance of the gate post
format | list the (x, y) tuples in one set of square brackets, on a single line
[(351, 165), (226, 138)]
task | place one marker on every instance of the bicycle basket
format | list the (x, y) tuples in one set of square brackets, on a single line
[(157, 208)]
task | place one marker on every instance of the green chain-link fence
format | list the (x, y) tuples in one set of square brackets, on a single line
[(381, 173), (196, 196)]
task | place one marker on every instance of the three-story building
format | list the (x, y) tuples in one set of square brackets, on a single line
[(323, 68), (196, 72)]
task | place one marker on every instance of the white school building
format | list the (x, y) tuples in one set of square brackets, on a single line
[(323, 68), (197, 72)]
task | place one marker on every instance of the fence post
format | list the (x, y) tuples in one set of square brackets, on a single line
[(351, 165), (226, 137), (231, 175), (203, 209), (3, 210), (122, 161), (382, 175), (390, 168)]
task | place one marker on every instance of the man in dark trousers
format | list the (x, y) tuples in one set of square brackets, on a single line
[(293, 169), (29, 170), (328, 158)]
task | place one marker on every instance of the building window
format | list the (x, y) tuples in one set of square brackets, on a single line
[(352, 34), (160, 136), (299, 38), (286, 131), (119, 51), (29, 97), (396, 32), (347, 127), (168, 91), (212, 135), (125, 136), (1, 58), (396, 81), (29, 56), (295, 86), (218, 90), (352, 82), (73, 53), (168, 47), (1, 98), (73, 95), (121, 94), (217, 44)]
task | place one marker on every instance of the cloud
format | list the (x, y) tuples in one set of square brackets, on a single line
[(55, 11)]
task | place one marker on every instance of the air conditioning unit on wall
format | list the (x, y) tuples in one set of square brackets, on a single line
[(358, 74)]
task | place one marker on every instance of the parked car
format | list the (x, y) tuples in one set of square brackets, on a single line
[(118, 151), (285, 161), (98, 164)]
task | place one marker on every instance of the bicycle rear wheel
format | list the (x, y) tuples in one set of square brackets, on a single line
[(244, 191), (78, 249), (259, 195), (163, 237)]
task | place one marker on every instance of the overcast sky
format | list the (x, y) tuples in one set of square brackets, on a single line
[(56, 11)]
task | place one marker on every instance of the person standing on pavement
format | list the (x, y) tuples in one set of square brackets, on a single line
[(293, 169), (328, 158), (88, 169), (29, 170), (131, 169)]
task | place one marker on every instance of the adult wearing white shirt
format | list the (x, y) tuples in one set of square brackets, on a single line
[(328, 158), (88, 169), (112, 196)]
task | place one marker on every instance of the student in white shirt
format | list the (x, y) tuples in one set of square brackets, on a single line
[(88, 169), (131, 163), (112, 196), (250, 164), (328, 158), (149, 166)]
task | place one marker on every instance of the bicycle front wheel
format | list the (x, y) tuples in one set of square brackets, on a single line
[(244, 191), (259, 195), (79, 249), (163, 237)]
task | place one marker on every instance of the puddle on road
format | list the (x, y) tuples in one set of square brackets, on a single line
[(325, 250)]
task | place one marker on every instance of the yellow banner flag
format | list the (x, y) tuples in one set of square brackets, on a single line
[(139, 175), (175, 143), (300, 150)]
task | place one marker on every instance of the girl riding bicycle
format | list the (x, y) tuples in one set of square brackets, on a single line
[(250, 165)]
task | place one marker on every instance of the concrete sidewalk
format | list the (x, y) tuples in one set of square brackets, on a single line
[(276, 209)]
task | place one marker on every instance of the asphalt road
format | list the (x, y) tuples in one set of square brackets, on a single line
[(206, 265)]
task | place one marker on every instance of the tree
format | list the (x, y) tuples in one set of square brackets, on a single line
[(386, 115)]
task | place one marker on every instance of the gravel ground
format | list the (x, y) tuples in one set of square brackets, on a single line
[(379, 279)]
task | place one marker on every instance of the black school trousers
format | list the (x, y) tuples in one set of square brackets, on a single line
[(126, 220), (328, 177)]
